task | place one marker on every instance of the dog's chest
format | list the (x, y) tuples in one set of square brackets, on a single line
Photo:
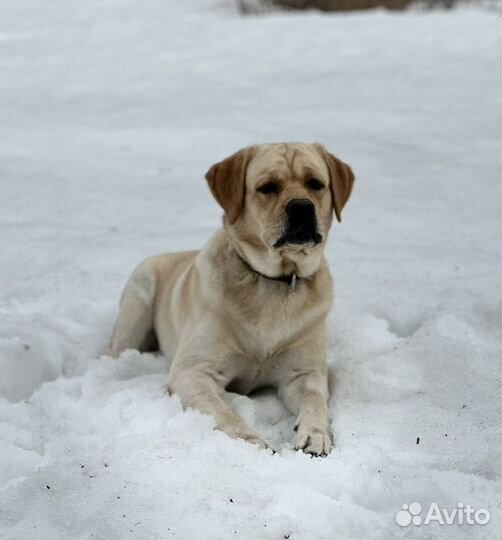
[(271, 318)]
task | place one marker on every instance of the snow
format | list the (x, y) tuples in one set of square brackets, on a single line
[(111, 113)]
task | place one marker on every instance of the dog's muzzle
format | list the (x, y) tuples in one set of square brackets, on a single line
[(301, 224)]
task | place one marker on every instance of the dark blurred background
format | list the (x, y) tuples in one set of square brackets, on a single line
[(259, 6)]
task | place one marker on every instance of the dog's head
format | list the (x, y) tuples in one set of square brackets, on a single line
[(279, 201)]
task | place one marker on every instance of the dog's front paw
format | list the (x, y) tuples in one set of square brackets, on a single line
[(313, 440), (249, 436), (253, 438)]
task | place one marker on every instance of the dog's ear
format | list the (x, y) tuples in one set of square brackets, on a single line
[(341, 180), (227, 181)]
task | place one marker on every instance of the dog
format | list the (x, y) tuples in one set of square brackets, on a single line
[(249, 309)]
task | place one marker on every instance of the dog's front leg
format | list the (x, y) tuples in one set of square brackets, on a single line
[(304, 390), (200, 388)]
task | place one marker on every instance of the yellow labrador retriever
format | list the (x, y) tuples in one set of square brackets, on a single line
[(249, 309)]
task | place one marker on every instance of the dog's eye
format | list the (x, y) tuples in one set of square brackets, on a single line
[(269, 187), (314, 184)]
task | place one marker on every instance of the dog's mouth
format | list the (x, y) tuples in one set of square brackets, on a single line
[(299, 237)]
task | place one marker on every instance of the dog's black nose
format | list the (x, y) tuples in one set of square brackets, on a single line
[(300, 211), (301, 227)]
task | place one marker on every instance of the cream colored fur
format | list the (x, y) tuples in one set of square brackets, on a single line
[(225, 326)]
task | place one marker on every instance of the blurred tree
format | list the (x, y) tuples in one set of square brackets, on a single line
[(347, 5), (261, 6)]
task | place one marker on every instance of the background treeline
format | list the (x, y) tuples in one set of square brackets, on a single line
[(262, 6)]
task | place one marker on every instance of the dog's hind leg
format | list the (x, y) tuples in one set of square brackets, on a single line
[(134, 326)]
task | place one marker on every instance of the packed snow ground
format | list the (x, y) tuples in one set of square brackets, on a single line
[(111, 113)]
